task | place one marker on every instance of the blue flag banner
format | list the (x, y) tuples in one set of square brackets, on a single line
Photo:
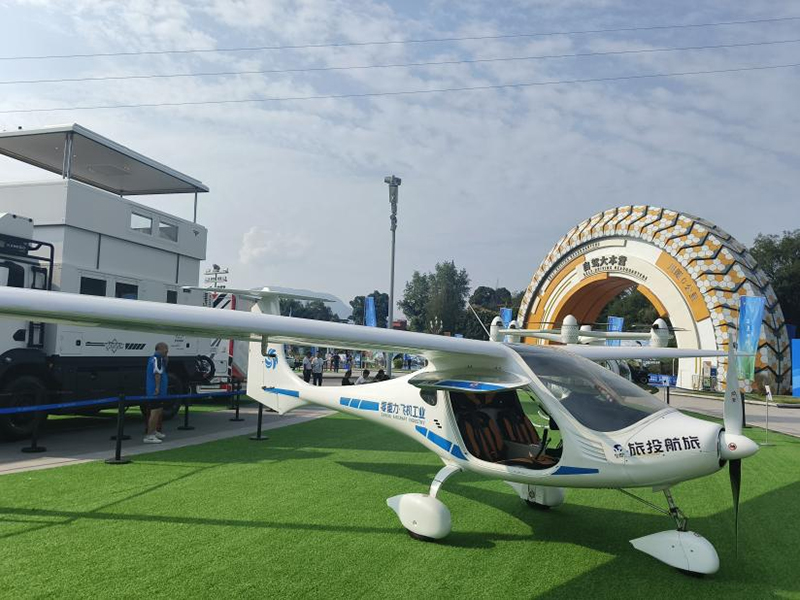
[(615, 324), (370, 320), (751, 313), (507, 315), (791, 331), (796, 368)]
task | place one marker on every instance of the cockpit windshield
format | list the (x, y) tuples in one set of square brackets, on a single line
[(593, 395)]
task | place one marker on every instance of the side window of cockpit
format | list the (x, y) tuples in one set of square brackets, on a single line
[(428, 396)]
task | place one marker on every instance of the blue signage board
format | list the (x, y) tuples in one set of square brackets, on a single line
[(370, 320), (796, 368), (751, 313), (615, 324)]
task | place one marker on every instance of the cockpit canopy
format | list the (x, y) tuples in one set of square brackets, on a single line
[(597, 398)]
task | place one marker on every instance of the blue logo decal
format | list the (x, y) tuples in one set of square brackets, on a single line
[(271, 359), (619, 451)]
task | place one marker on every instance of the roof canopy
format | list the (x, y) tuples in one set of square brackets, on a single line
[(96, 161)]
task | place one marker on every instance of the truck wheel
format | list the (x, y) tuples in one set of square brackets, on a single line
[(27, 390), (176, 386)]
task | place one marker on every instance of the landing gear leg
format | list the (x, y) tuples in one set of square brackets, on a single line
[(423, 515), (685, 550), (680, 519)]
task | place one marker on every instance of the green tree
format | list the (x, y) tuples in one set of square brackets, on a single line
[(381, 308), (486, 302), (779, 257), (315, 309), (415, 298), (447, 298), (633, 306), (437, 300)]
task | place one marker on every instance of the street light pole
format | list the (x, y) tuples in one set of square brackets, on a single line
[(393, 183)]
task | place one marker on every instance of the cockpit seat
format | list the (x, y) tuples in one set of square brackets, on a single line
[(484, 441), (516, 427)]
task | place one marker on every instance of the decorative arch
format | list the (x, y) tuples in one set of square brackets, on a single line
[(692, 272)]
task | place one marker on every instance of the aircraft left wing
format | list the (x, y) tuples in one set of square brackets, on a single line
[(637, 352), (172, 319)]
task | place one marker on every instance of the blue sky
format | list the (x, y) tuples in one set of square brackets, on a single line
[(491, 179)]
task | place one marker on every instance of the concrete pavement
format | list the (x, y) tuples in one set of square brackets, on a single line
[(77, 444), (784, 420)]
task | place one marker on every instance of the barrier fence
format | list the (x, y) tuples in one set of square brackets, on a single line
[(122, 402)]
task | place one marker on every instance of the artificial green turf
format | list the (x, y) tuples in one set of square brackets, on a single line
[(303, 515)]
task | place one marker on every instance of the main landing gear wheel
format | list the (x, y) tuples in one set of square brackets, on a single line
[(687, 551), (423, 516), (418, 537)]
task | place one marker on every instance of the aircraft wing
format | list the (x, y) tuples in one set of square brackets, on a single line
[(174, 319), (637, 352)]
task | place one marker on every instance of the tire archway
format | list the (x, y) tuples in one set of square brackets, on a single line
[(692, 272)]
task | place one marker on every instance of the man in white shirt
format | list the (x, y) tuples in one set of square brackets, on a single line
[(316, 369), (307, 367), (364, 378)]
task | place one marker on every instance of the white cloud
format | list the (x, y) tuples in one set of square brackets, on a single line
[(264, 247)]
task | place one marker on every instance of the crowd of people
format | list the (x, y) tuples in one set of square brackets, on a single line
[(314, 365)]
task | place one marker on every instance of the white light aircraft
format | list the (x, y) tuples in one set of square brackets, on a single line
[(594, 429)]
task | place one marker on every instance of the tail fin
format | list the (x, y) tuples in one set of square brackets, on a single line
[(270, 379)]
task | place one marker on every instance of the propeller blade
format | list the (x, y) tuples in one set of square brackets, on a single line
[(735, 472)]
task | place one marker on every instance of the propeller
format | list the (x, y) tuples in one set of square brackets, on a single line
[(735, 474), (733, 446)]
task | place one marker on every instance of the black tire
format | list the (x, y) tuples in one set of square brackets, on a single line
[(420, 538), (204, 369), (176, 385), (27, 390)]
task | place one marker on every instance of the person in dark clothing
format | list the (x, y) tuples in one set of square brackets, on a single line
[(380, 375), (336, 362), (307, 367), (346, 379)]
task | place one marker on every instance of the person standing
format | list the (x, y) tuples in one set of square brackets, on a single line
[(336, 359), (316, 369), (307, 367), (156, 385)]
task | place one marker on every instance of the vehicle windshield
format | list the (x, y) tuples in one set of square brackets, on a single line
[(595, 396)]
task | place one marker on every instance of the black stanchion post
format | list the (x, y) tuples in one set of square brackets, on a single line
[(258, 436), (186, 426), (237, 400), (667, 394), (118, 458), (35, 447)]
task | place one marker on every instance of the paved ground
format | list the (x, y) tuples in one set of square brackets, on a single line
[(78, 444), (785, 420)]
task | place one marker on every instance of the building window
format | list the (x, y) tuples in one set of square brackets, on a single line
[(172, 297), (127, 291), (93, 287), (141, 223), (168, 231)]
